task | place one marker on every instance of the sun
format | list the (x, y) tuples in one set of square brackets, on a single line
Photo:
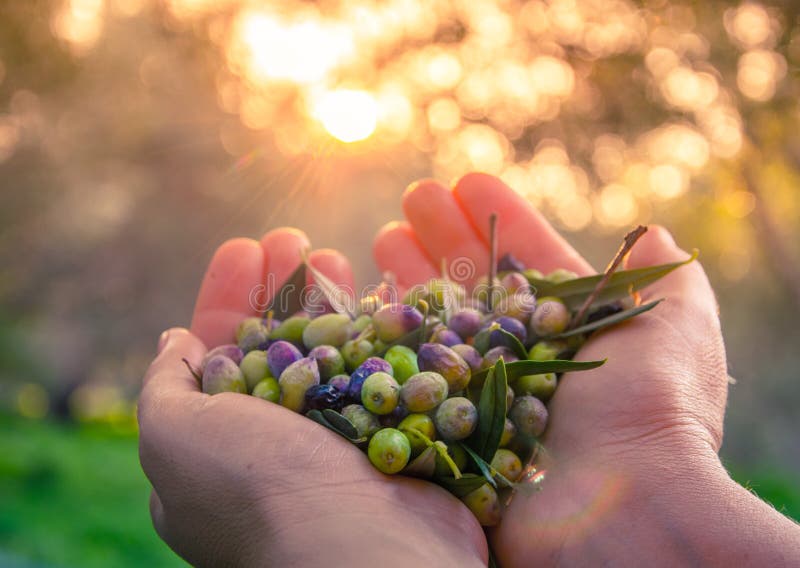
[(348, 115)]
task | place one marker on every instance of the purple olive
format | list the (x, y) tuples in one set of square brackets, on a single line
[(295, 380), (340, 382), (424, 391), (223, 375), (470, 355), (319, 397), (445, 336), (280, 355), (493, 355), (246, 325), (456, 418), (512, 326), (514, 282), (230, 351), (466, 322), (392, 321), (509, 262), (329, 360), (551, 317), (254, 336), (529, 415), (443, 360), (357, 378), (519, 305)]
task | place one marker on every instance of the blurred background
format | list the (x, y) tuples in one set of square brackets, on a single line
[(137, 135)]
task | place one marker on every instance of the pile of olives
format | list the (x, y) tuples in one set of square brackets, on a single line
[(406, 378)]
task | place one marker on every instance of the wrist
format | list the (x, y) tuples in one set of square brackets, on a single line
[(605, 509)]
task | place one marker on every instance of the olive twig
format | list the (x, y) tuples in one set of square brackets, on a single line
[(492, 260), (195, 373), (627, 244)]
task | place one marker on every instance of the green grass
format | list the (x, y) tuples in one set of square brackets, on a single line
[(75, 496), (780, 489)]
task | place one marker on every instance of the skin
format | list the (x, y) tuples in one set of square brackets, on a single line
[(633, 476), (239, 481)]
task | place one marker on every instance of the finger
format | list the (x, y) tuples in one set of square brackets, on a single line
[(226, 294), (282, 255), (397, 250), (689, 314), (335, 266), (521, 229), (168, 372), (688, 283), (442, 228), (332, 264)]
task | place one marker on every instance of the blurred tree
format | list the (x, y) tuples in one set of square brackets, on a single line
[(135, 135)]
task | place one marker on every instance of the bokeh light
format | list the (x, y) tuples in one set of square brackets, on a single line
[(347, 115), (137, 135), (475, 85)]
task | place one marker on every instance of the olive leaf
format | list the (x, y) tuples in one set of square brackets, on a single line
[(483, 338), (620, 285), (288, 299), (462, 487), (519, 369), (198, 376), (609, 320), (424, 465), (492, 562), (491, 413), (336, 296), (340, 424), (483, 466), (490, 473)]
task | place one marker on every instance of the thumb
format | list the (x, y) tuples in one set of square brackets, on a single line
[(168, 373), (687, 286)]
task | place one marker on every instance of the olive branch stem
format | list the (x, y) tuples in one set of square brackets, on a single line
[(492, 259), (627, 244)]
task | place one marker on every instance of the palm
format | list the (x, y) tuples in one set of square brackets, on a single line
[(609, 426), (322, 466)]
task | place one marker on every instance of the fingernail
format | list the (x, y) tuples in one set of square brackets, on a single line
[(162, 341)]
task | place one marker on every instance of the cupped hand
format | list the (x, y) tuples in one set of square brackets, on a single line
[(622, 439), (239, 481)]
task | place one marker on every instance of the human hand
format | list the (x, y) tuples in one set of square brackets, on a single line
[(239, 481), (630, 452)]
